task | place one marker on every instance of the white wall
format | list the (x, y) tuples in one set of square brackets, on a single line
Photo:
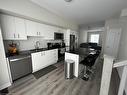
[(28, 9), (82, 39), (26, 44), (124, 12), (122, 53), (82, 36), (29, 43), (123, 42), (83, 31)]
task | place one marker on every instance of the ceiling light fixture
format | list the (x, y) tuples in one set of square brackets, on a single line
[(68, 0)]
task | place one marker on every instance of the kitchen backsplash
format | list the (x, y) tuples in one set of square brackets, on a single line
[(29, 43)]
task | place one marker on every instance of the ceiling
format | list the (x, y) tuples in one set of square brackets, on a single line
[(84, 11)]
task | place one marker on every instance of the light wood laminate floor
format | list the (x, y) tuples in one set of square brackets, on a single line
[(54, 83)]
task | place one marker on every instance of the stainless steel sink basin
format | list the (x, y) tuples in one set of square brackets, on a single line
[(38, 50)]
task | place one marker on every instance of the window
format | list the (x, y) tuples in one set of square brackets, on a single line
[(94, 38)]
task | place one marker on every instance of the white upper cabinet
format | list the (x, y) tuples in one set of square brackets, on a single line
[(31, 28), (13, 28), (45, 30), (49, 33), (20, 29), (38, 29), (34, 28), (7, 25), (41, 29)]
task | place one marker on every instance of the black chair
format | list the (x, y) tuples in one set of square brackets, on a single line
[(88, 63)]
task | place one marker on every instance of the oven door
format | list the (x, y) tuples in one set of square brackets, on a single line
[(61, 52)]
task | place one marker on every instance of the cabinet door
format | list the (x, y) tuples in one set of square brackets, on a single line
[(20, 29), (41, 29), (45, 31), (31, 28), (51, 56), (49, 32), (36, 61), (8, 27), (55, 55), (39, 61)]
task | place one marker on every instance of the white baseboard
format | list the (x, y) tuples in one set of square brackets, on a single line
[(5, 85)]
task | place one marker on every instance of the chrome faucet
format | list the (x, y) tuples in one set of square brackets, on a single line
[(37, 46)]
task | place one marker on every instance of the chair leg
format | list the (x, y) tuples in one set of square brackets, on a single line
[(85, 75), (91, 70), (84, 70)]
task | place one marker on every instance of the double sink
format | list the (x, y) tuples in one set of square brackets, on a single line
[(38, 50)]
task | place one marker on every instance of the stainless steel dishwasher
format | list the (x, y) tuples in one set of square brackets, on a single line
[(20, 66)]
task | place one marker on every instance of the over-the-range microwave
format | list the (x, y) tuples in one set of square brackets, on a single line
[(58, 36)]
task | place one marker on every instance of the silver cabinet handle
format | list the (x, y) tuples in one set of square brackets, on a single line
[(14, 35), (39, 33), (17, 59), (18, 36)]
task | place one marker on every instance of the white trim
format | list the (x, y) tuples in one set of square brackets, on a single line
[(123, 13), (100, 29), (5, 85), (9, 71), (120, 64), (123, 81), (106, 75)]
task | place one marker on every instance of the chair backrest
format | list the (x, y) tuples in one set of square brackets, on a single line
[(90, 60)]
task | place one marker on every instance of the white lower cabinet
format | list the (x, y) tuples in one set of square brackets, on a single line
[(51, 56), (43, 59)]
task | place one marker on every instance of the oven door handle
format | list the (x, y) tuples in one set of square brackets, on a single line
[(17, 59)]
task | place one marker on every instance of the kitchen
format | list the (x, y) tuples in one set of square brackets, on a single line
[(57, 47), (31, 46)]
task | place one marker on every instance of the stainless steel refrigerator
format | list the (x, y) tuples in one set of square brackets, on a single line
[(72, 43)]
